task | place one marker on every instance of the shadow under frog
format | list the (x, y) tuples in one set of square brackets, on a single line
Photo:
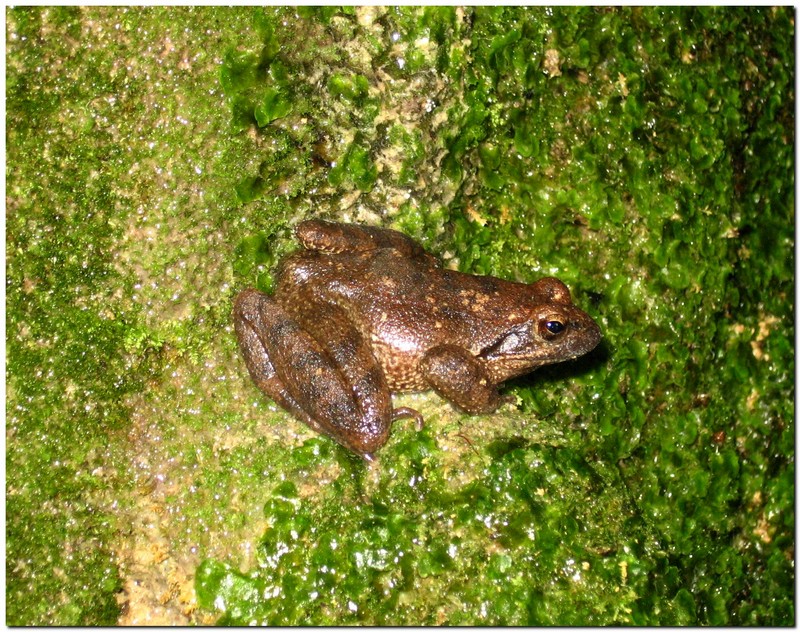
[(361, 312)]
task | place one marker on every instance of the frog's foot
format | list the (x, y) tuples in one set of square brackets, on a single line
[(405, 411)]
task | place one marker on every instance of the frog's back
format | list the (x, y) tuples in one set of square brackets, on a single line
[(402, 305)]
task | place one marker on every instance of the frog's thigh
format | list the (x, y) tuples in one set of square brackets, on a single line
[(248, 320), (256, 314), (293, 368), (356, 363), (457, 376)]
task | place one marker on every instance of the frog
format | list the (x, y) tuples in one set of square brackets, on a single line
[(360, 312)]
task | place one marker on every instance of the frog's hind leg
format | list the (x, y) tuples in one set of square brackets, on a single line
[(335, 238), (361, 374), (332, 388), (252, 311)]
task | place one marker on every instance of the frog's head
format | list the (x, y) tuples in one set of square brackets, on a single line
[(553, 330)]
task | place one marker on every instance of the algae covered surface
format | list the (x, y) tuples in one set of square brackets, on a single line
[(157, 159)]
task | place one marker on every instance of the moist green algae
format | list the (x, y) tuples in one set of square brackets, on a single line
[(100, 175), (650, 483)]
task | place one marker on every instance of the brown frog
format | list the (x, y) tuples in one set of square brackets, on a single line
[(361, 312)]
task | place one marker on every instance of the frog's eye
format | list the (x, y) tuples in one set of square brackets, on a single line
[(552, 328)]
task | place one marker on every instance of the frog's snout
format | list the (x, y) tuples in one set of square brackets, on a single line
[(587, 334)]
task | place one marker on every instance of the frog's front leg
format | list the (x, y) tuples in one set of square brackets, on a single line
[(337, 388), (460, 378), (334, 238)]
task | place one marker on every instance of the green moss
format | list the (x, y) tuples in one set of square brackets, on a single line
[(275, 104), (354, 168), (366, 560), (83, 181), (68, 377)]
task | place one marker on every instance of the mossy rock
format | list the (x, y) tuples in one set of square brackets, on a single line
[(157, 159)]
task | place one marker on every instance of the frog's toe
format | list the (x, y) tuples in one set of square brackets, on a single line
[(405, 411), (508, 399)]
